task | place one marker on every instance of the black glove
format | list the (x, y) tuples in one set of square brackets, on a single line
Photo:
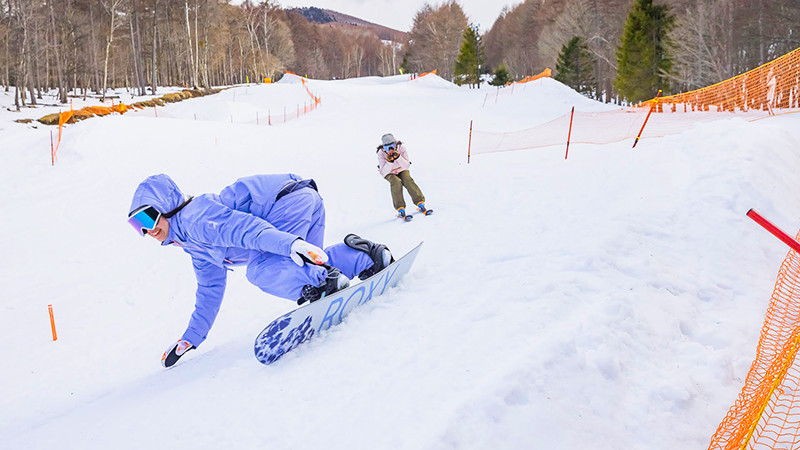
[(174, 352), (392, 155)]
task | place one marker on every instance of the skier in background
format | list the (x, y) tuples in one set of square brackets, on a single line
[(274, 224), (393, 164)]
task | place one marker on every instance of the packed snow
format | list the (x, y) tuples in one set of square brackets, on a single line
[(612, 300)]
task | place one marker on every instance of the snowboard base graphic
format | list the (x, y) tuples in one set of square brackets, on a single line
[(295, 327)]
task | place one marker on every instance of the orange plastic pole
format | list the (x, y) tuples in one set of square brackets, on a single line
[(52, 321), (646, 118), (569, 133), (777, 232)]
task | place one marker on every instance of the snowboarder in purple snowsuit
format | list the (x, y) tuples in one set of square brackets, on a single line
[(274, 224)]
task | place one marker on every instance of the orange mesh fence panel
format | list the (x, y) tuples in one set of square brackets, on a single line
[(97, 110), (771, 87), (545, 73), (768, 89), (767, 413), (508, 89)]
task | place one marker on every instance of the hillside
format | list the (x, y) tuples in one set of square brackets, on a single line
[(327, 16), (609, 301)]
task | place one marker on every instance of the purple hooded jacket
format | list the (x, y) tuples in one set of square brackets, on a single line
[(218, 231)]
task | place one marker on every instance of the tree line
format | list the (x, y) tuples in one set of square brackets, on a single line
[(607, 49), (630, 49)]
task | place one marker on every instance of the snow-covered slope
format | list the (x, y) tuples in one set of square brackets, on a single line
[(609, 301)]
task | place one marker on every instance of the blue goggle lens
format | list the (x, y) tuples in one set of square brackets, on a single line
[(143, 219)]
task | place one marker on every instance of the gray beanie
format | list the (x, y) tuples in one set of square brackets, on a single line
[(387, 139)]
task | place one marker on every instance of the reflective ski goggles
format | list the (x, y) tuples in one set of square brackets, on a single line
[(144, 218), (389, 146)]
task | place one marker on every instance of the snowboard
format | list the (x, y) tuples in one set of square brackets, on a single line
[(295, 327)]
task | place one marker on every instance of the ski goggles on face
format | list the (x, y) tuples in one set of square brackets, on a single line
[(389, 146), (144, 218)]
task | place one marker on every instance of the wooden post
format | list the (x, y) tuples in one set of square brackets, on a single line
[(469, 146)]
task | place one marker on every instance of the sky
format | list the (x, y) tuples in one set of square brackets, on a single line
[(609, 300), (399, 14)]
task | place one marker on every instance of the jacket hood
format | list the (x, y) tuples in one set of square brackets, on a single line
[(158, 191)]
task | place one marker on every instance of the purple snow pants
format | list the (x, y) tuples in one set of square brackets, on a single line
[(301, 212)]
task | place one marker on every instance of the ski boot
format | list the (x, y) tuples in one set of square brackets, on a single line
[(379, 253), (421, 208), (334, 282), (401, 213)]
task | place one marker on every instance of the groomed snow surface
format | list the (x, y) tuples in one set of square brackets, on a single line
[(609, 301)]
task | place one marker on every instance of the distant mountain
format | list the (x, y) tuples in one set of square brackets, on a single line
[(319, 15)]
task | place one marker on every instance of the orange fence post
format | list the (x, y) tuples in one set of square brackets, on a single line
[(655, 100), (569, 133), (52, 321)]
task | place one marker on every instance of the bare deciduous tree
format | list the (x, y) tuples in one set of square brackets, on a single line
[(435, 38), (112, 8)]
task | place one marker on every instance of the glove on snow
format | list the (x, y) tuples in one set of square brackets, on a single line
[(303, 251), (174, 352), (392, 155)]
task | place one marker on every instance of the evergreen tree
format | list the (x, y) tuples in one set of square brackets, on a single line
[(575, 67), (470, 62), (501, 76), (643, 59)]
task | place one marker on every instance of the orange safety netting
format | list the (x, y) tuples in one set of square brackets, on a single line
[(288, 113), (592, 128), (88, 111), (545, 73), (767, 413), (766, 90), (770, 87)]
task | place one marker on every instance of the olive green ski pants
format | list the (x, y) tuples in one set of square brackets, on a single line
[(396, 184)]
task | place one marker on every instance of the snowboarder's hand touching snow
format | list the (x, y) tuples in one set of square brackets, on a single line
[(174, 352), (302, 249)]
